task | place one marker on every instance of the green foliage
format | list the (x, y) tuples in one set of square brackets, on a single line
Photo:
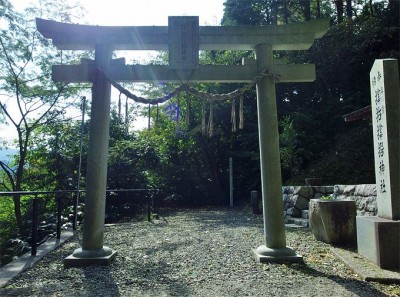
[(342, 84), (7, 219), (272, 12), (291, 154), (326, 197), (53, 156), (30, 98)]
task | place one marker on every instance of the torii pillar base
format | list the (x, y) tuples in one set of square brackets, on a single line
[(264, 254), (84, 258)]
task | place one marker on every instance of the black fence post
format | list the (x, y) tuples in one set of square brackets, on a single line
[(35, 224), (153, 201), (59, 208), (148, 207), (254, 202)]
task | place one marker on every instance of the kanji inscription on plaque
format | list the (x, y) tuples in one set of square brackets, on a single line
[(183, 35)]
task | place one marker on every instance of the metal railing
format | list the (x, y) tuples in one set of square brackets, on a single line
[(59, 200)]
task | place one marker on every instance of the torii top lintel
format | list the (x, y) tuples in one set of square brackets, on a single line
[(299, 36), (183, 38)]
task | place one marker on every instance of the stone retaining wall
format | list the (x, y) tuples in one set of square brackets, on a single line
[(296, 198), (364, 195)]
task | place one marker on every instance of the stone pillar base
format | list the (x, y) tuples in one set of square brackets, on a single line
[(378, 240), (264, 254), (83, 258)]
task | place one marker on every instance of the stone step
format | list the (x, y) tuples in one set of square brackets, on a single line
[(297, 221), (304, 214)]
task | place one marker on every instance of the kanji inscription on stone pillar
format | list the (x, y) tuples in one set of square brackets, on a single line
[(385, 119)]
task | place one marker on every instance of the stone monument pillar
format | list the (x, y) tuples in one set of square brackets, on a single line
[(378, 237), (93, 252)]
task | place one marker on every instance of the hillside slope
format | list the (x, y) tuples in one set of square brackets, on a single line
[(348, 158)]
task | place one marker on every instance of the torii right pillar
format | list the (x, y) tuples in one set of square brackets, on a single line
[(274, 249)]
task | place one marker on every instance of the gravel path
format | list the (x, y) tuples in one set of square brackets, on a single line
[(194, 253)]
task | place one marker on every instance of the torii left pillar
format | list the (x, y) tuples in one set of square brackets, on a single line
[(93, 252)]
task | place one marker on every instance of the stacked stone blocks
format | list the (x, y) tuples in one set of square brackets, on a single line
[(363, 195), (296, 199)]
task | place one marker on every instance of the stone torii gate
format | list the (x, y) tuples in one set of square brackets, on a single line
[(183, 38)]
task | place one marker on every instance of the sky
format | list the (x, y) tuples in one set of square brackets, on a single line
[(136, 13), (150, 12)]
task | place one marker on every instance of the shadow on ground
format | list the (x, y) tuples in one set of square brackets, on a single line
[(355, 286)]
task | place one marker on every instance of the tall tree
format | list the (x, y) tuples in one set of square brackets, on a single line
[(339, 10), (29, 97), (349, 9), (307, 10), (367, 37)]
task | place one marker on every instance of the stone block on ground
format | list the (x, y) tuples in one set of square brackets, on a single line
[(333, 221), (378, 240), (294, 212), (304, 213), (299, 202), (301, 222)]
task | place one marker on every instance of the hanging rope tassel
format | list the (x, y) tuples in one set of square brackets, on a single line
[(211, 120), (203, 119), (126, 116), (178, 113), (119, 110), (241, 112), (148, 124), (157, 116), (187, 109), (233, 116)]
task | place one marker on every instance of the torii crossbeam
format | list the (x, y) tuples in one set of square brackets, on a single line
[(183, 38)]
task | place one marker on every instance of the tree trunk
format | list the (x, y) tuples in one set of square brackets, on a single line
[(268, 16), (127, 119), (307, 10), (394, 9), (286, 12), (318, 9), (339, 10), (218, 194), (394, 5), (349, 9), (18, 215), (23, 145), (17, 206), (274, 12), (208, 151), (371, 7)]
